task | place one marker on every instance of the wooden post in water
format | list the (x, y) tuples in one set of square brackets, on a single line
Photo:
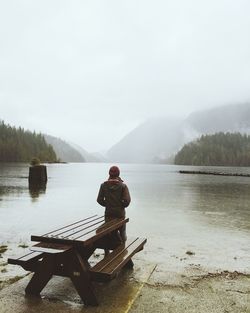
[(38, 174)]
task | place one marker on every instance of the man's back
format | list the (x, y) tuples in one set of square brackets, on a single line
[(114, 195)]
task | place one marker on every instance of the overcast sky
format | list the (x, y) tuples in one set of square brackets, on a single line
[(90, 71)]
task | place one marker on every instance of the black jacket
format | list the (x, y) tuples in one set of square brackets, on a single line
[(114, 196)]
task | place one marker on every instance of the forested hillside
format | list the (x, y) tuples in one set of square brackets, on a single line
[(64, 151), (220, 149), (18, 145), (158, 139)]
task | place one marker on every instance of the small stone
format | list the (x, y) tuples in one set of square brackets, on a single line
[(190, 253)]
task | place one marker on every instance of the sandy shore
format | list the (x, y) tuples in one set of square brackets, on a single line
[(215, 292), (148, 288)]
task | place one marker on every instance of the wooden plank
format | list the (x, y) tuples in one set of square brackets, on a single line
[(42, 275), (32, 256), (124, 257), (79, 275), (50, 247), (112, 264), (68, 230), (66, 239), (29, 262), (72, 232), (100, 265), (102, 230), (88, 237), (81, 232), (85, 219)]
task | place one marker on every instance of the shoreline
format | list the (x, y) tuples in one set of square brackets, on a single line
[(214, 173), (139, 291), (151, 287)]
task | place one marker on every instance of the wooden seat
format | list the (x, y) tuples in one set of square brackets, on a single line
[(109, 267), (30, 261), (27, 261)]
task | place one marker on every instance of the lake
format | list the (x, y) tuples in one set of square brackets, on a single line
[(206, 215)]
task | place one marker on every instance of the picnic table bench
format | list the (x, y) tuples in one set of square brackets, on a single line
[(66, 252)]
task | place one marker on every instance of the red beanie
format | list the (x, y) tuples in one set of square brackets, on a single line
[(114, 171)]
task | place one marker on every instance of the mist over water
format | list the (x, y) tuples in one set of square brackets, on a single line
[(206, 214)]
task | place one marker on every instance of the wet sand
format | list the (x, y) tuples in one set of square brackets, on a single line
[(218, 293), (169, 276), (147, 288)]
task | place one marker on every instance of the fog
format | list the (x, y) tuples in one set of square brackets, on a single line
[(91, 71)]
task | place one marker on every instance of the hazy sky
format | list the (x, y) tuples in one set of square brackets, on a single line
[(90, 71)]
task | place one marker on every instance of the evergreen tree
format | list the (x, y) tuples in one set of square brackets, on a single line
[(18, 145), (220, 149)]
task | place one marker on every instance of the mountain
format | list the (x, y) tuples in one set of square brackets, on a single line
[(89, 157), (227, 118), (64, 151), (158, 139)]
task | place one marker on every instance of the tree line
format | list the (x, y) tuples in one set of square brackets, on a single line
[(220, 149), (19, 145)]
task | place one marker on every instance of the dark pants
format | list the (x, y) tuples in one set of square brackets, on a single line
[(119, 234), (122, 231)]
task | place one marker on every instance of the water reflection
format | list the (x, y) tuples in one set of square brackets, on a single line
[(14, 182), (221, 200), (11, 190), (13, 178), (36, 189)]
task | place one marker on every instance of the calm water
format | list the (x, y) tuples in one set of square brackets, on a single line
[(209, 215)]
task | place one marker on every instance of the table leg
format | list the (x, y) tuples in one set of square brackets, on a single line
[(42, 275), (78, 269)]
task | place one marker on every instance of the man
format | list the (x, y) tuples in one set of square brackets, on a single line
[(114, 196)]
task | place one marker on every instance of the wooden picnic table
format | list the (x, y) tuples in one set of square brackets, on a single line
[(66, 252)]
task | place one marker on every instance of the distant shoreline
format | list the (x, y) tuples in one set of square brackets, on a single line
[(214, 173)]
